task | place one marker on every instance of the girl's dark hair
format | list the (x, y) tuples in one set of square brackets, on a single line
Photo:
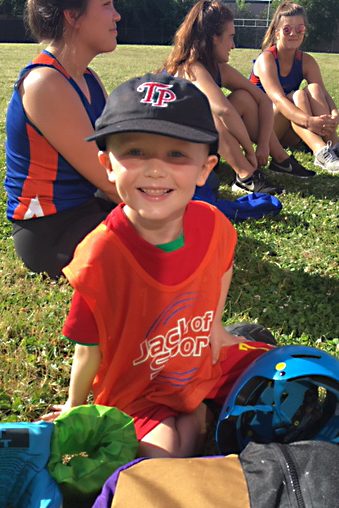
[(193, 41), (285, 9), (45, 18)]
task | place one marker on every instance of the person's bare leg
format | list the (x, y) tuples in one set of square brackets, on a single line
[(315, 142), (283, 130), (319, 106), (180, 436), (281, 160), (231, 151), (277, 151), (248, 110)]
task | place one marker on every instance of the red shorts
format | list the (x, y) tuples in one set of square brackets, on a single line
[(232, 367)]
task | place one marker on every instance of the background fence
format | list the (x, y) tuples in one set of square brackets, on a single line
[(249, 33)]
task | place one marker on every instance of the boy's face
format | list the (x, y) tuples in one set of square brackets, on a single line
[(155, 175)]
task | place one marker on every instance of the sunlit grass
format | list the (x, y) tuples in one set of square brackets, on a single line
[(286, 271)]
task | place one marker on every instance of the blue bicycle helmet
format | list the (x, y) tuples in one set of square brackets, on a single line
[(290, 393)]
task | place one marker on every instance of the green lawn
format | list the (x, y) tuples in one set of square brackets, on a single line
[(286, 271)]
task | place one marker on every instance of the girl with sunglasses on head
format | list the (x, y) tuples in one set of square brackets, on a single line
[(307, 114), (201, 50), (52, 173)]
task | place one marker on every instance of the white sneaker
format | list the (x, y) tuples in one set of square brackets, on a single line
[(336, 149), (327, 159)]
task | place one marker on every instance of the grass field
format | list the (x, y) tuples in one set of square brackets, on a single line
[(286, 271)]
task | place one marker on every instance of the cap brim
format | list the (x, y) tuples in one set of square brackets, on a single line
[(152, 126)]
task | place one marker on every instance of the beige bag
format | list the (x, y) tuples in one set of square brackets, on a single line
[(295, 475), (175, 483)]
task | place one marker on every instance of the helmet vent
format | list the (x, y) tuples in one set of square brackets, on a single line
[(306, 356)]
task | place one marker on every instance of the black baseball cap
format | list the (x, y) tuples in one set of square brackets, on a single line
[(158, 104)]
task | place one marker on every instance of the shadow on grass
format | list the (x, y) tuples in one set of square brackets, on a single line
[(305, 304), (320, 186)]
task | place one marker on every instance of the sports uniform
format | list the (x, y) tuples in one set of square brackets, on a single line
[(41, 184), (151, 313), (290, 82)]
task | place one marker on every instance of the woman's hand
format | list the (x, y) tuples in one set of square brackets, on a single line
[(323, 125), (335, 117), (252, 159), (262, 152)]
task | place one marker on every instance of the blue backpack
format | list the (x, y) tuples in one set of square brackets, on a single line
[(251, 206), (24, 479)]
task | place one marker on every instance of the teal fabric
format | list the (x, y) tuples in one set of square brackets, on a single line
[(42, 492), (24, 452)]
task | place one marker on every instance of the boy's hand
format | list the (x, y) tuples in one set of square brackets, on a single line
[(220, 338), (56, 411)]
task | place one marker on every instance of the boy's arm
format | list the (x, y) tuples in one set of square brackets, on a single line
[(85, 365), (219, 337)]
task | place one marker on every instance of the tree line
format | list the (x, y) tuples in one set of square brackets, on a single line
[(155, 21)]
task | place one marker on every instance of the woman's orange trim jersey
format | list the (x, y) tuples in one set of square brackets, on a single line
[(154, 336)]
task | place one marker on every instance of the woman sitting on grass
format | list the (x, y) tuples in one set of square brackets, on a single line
[(201, 51), (309, 114), (52, 173)]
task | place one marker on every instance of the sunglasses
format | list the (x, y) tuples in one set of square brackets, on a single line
[(298, 29)]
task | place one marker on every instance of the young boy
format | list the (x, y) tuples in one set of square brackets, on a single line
[(151, 281)]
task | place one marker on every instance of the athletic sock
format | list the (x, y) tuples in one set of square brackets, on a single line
[(247, 179)]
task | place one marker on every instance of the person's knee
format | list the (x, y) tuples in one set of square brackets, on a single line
[(174, 437), (241, 95), (49, 265), (37, 256), (242, 100), (299, 97), (315, 90)]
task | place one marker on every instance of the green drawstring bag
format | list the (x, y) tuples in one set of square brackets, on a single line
[(89, 443)]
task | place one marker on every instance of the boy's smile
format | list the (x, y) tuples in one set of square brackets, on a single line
[(154, 193), (155, 177)]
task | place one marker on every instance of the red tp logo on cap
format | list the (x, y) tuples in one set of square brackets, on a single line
[(157, 94)]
